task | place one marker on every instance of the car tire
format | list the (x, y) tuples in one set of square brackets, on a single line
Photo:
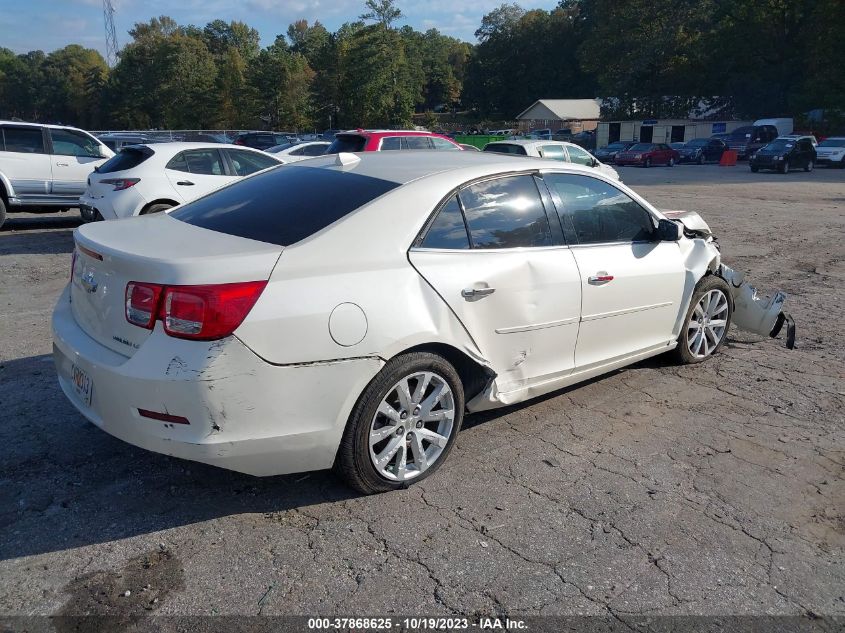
[(784, 168), (671, 162), (701, 159), (2, 212), (156, 208), (698, 340), (755, 169), (371, 434), (647, 163), (809, 166)]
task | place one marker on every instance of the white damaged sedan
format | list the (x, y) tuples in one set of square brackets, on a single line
[(349, 310)]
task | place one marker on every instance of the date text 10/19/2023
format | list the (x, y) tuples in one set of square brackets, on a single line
[(415, 624)]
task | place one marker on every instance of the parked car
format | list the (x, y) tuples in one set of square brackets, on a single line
[(241, 329), (116, 141), (205, 137), (648, 154), (144, 179), (469, 148), (328, 135), (722, 136), (554, 150), (677, 145), (831, 152), (44, 167), (384, 140), (607, 154), (586, 139), (263, 140), (702, 150), (748, 139), (298, 150), (785, 153)]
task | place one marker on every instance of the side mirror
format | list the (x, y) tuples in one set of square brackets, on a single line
[(669, 231)]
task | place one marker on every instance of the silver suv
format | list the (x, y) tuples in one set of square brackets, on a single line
[(45, 167)]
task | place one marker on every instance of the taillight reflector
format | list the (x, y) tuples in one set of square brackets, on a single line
[(162, 417)]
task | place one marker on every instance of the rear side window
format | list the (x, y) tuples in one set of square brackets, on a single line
[(554, 152), (416, 142), (599, 212), (127, 158), (347, 143), (27, 140), (505, 148), (505, 213), (448, 230), (205, 162), (283, 206), (390, 143), (178, 163), (246, 163)]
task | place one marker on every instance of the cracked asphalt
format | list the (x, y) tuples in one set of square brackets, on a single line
[(715, 489)]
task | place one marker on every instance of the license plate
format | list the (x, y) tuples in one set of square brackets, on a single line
[(82, 385)]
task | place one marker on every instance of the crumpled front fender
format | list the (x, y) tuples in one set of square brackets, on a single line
[(761, 315)]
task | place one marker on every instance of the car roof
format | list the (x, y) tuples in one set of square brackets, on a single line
[(167, 150), (405, 167), (49, 125), (387, 133), (532, 141)]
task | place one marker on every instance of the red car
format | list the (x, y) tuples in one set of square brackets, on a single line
[(648, 154), (382, 140)]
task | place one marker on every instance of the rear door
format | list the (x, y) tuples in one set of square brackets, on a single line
[(74, 156), (632, 284), (196, 172), (508, 277), (25, 162)]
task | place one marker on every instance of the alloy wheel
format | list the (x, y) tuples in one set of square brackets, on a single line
[(707, 324), (412, 426)]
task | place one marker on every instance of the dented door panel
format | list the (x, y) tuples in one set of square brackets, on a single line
[(521, 306)]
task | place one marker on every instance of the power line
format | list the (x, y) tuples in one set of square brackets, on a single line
[(111, 34)]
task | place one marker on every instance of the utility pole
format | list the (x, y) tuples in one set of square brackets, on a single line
[(111, 35)]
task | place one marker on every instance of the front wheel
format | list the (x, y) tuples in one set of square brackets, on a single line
[(701, 159), (784, 167), (707, 321), (2, 212), (671, 162), (647, 163), (755, 169), (809, 166), (403, 425)]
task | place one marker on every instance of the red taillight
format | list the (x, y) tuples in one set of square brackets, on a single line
[(208, 312), (142, 303), (193, 312), (121, 183)]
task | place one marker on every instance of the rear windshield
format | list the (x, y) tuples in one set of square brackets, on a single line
[(127, 158), (283, 205), (347, 143), (505, 148)]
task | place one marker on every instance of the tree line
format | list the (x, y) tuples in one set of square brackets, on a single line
[(647, 58)]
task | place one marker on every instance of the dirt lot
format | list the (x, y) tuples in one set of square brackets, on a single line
[(713, 489)]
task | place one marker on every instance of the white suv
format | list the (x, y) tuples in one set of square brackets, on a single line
[(45, 167)]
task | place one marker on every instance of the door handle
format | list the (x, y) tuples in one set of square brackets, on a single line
[(471, 293), (600, 278), (184, 182)]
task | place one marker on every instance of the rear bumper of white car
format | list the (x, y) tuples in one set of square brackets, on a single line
[(120, 204), (244, 414)]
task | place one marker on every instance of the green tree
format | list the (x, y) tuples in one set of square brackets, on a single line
[(281, 81)]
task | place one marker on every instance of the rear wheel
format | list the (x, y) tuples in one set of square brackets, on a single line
[(404, 424), (701, 159), (156, 208), (809, 166), (707, 321)]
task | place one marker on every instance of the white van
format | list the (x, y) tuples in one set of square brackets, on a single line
[(784, 126)]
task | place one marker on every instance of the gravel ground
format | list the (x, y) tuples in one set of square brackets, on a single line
[(714, 489)]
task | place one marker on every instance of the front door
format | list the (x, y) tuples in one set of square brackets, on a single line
[(492, 255), (74, 157), (632, 285)]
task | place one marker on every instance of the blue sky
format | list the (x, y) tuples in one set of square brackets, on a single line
[(50, 24)]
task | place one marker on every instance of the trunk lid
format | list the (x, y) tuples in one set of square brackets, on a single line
[(153, 249)]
